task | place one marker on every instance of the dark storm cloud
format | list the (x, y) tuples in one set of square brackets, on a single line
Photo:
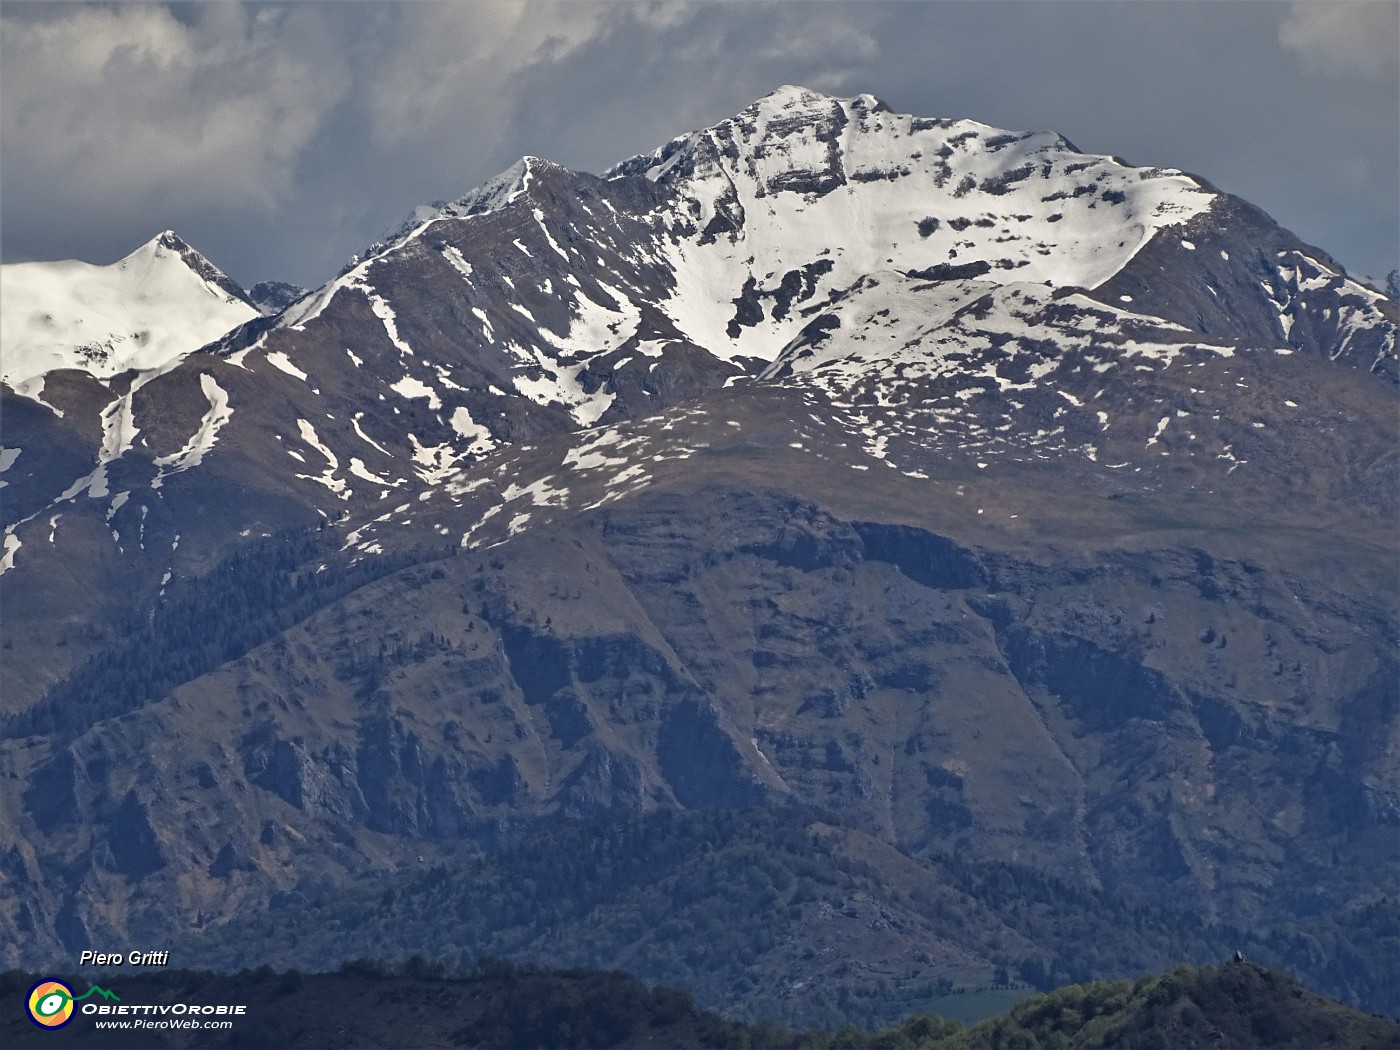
[(281, 138)]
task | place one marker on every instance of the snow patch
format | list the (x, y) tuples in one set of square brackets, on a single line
[(11, 548), (454, 256), (478, 435), (359, 431), (409, 387), (281, 361)]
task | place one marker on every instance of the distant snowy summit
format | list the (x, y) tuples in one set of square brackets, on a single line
[(145, 311)]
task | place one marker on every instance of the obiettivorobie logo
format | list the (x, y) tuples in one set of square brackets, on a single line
[(51, 1002)]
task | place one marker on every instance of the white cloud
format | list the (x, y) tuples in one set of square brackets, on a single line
[(131, 103), (1345, 38)]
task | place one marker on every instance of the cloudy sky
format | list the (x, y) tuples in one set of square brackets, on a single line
[(280, 138)]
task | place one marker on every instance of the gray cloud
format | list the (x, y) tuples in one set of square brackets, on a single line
[(131, 104), (644, 83), (1345, 38), (281, 138), (446, 64)]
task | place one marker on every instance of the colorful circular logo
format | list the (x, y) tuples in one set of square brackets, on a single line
[(51, 1004)]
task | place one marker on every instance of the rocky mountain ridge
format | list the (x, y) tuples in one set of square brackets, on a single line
[(1042, 267)]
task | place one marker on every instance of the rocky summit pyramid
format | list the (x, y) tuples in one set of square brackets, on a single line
[(1007, 503)]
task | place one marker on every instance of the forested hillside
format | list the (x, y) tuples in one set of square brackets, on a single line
[(851, 930)]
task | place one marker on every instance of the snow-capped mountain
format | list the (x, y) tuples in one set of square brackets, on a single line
[(780, 462), (946, 270), (145, 311), (811, 239)]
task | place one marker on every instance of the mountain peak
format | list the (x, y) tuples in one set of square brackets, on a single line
[(789, 106), (788, 96), (162, 244), (272, 297), (494, 193), (796, 97), (194, 260)]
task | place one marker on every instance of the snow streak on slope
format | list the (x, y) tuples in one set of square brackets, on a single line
[(119, 432), (161, 302), (328, 477), (204, 437)]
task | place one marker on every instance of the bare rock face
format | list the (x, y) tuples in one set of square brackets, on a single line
[(1019, 517), (272, 297)]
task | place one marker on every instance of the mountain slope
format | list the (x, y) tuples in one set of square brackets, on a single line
[(1006, 501)]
